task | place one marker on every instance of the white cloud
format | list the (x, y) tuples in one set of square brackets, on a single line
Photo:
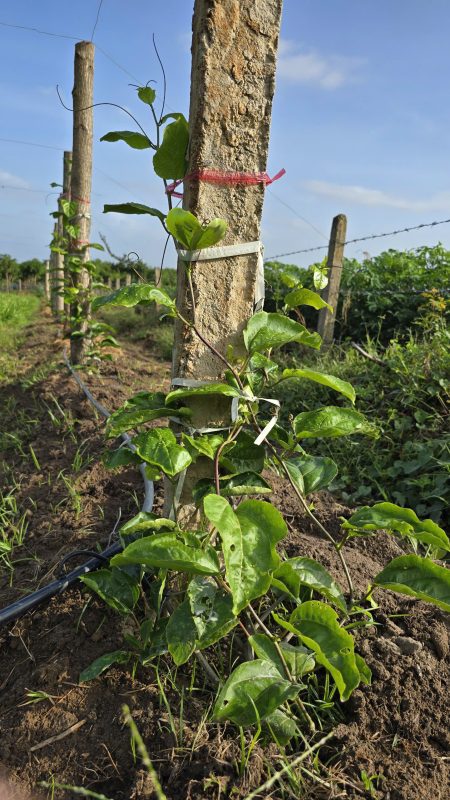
[(7, 178), (363, 196), (326, 72)]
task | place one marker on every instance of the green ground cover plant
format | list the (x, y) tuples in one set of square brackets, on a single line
[(16, 311)]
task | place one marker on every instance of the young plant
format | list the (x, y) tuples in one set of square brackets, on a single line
[(184, 590)]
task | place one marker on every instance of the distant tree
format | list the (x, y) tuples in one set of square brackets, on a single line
[(9, 269), (33, 268)]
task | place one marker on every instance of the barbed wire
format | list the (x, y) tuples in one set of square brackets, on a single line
[(361, 239)]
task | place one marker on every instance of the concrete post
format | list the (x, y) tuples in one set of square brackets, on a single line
[(81, 178), (330, 294), (67, 174), (234, 49)]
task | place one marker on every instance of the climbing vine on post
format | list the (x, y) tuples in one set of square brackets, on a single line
[(227, 572)]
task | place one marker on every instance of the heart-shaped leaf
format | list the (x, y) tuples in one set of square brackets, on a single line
[(249, 536), (188, 231), (329, 422), (133, 208), (417, 577), (317, 626), (265, 331), (180, 551), (337, 384), (388, 516), (169, 161), (305, 297), (133, 139), (146, 94), (294, 573), (310, 473), (130, 296), (252, 692), (118, 589), (143, 407), (181, 633), (160, 448)]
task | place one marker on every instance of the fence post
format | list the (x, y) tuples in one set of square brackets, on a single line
[(80, 184), (234, 45), (330, 294), (47, 280), (67, 172)]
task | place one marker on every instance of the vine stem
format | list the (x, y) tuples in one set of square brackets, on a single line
[(303, 502), (220, 449)]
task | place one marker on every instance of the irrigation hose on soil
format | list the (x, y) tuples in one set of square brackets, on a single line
[(31, 601)]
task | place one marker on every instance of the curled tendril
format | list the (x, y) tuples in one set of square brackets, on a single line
[(114, 105)]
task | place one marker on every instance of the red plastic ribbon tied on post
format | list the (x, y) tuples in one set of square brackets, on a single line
[(225, 179)]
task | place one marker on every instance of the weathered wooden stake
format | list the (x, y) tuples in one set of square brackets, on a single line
[(47, 281), (330, 294), (67, 173), (234, 48), (81, 181)]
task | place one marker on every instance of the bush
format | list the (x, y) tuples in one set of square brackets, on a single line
[(407, 398)]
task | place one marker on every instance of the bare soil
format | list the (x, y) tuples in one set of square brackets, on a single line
[(396, 730)]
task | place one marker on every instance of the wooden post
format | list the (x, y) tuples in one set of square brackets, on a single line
[(117, 282), (67, 173), (47, 281), (53, 265), (81, 181), (128, 279), (234, 49), (330, 294)]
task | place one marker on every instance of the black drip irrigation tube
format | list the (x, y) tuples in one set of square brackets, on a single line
[(31, 601)]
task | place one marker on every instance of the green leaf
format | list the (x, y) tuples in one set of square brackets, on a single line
[(160, 448), (244, 483), (249, 536), (305, 297), (130, 296), (133, 139), (212, 611), (180, 551), (119, 590), (202, 391), (318, 628), (310, 473), (252, 692), (172, 115), (146, 94), (169, 161), (141, 408), (337, 384), (243, 456), (417, 577), (300, 571), (181, 634), (267, 330), (154, 641), (365, 672), (260, 370), (329, 422), (186, 229), (112, 459), (104, 662), (388, 516), (132, 208), (281, 727), (202, 445), (146, 521), (298, 659)]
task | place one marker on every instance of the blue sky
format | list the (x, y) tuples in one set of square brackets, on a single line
[(361, 119)]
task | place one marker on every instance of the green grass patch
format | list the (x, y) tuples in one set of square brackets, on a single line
[(16, 311)]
